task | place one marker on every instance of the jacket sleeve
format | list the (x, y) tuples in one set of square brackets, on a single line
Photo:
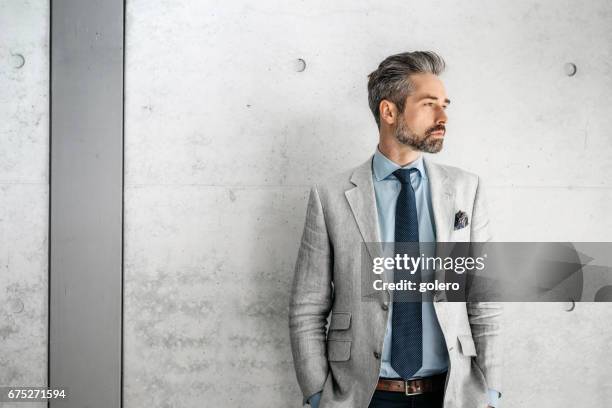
[(311, 300), (485, 317)]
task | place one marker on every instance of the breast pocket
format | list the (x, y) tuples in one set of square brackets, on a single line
[(461, 235)]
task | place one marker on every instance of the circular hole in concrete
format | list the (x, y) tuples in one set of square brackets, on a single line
[(17, 60), (300, 65), (15, 305), (570, 69)]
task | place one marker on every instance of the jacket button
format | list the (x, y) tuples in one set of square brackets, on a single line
[(384, 306), (376, 355)]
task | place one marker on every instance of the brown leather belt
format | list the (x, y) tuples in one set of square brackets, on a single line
[(413, 387)]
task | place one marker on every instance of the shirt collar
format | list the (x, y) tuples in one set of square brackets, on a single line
[(383, 166)]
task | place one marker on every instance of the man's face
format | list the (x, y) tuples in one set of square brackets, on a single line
[(422, 125)]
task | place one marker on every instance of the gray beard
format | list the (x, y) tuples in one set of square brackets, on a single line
[(426, 143)]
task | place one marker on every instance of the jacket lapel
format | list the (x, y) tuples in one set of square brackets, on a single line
[(442, 199), (442, 203), (362, 201)]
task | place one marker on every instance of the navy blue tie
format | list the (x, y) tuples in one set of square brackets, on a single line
[(407, 322)]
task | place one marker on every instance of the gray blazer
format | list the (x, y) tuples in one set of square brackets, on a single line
[(344, 361)]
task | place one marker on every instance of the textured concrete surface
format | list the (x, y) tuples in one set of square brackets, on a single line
[(24, 136), (225, 132), (205, 295)]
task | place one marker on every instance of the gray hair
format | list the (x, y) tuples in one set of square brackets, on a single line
[(390, 80)]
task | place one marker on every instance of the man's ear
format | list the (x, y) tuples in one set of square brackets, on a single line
[(388, 112)]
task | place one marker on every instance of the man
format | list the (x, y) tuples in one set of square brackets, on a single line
[(389, 353)]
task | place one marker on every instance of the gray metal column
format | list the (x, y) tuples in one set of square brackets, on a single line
[(86, 202)]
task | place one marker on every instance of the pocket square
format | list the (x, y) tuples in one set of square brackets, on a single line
[(461, 220)]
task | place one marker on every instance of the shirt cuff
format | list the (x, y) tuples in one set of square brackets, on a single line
[(493, 397), (314, 399)]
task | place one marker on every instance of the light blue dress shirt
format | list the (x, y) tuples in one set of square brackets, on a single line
[(387, 188)]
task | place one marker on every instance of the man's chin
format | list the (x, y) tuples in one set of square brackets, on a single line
[(432, 147), (429, 145)]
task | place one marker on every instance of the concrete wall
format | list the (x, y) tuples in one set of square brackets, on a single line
[(24, 144), (225, 132)]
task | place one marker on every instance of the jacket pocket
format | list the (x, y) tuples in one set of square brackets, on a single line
[(468, 348), (338, 350), (340, 321)]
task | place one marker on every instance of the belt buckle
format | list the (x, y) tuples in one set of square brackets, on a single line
[(408, 388)]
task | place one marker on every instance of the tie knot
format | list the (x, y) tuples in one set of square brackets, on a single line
[(403, 175)]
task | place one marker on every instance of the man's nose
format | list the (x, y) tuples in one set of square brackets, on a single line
[(441, 117)]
